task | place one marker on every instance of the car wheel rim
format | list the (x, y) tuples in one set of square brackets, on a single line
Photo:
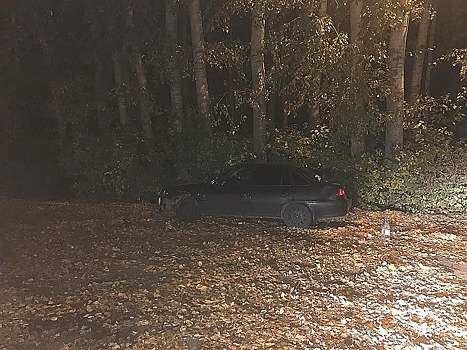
[(297, 217)]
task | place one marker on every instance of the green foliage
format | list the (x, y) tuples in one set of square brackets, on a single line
[(306, 56), (200, 153), (53, 70), (312, 147), (459, 59), (121, 167), (430, 177), (115, 167)]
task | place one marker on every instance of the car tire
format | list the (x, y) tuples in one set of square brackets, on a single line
[(188, 210), (297, 215)]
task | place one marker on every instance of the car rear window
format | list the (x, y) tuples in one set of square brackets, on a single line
[(299, 179)]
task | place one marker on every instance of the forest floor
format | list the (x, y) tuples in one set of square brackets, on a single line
[(118, 276)]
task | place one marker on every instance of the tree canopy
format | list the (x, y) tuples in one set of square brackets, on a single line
[(118, 99)]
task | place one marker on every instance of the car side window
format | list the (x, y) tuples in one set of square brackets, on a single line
[(298, 179), (270, 175), (286, 177), (239, 177)]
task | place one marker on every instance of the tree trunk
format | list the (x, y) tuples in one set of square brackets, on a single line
[(54, 88), (285, 120), (143, 93), (356, 10), (420, 52), (199, 59), (313, 110), (231, 94), (185, 42), (231, 85), (323, 8), (100, 93), (118, 76), (145, 104), (271, 115), (57, 113), (313, 115), (357, 136), (431, 47), (395, 102), (120, 67), (258, 75), (175, 78)]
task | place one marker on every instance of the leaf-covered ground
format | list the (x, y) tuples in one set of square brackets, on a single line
[(111, 276)]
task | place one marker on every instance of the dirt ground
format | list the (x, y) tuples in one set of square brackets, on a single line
[(118, 276)]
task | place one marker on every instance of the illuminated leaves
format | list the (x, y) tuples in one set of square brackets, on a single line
[(113, 276)]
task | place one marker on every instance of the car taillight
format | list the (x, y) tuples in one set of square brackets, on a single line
[(341, 192)]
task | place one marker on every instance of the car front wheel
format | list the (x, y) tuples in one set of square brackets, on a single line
[(188, 209), (297, 215)]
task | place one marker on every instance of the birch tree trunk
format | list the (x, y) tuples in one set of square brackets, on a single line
[(285, 120), (395, 102), (313, 110), (431, 47), (199, 58), (271, 112), (120, 68), (143, 95), (258, 75), (185, 42), (357, 136), (144, 100), (175, 78), (118, 76), (323, 8), (100, 92), (420, 52), (54, 88)]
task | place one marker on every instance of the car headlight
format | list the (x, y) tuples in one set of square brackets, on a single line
[(160, 196)]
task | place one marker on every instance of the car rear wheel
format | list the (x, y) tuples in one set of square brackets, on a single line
[(188, 209), (297, 215)]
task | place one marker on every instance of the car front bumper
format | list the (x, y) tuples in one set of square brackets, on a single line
[(168, 203)]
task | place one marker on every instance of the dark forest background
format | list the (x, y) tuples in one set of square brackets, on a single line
[(116, 100)]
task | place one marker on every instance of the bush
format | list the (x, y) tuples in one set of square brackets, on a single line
[(308, 148), (198, 153), (116, 167), (429, 177)]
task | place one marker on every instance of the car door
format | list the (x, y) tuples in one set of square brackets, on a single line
[(270, 191), (230, 195)]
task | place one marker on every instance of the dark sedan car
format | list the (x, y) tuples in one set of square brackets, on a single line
[(265, 190)]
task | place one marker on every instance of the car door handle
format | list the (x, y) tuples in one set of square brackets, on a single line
[(284, 193)]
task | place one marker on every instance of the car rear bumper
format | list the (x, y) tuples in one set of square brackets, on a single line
[(328, 210)]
